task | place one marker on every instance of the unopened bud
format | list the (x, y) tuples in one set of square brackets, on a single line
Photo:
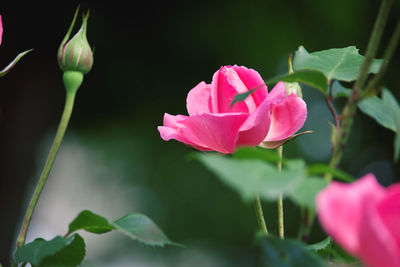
[(293, 87), (76, 54)]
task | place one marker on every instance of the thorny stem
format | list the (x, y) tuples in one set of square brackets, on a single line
[(69, 103), (351, 106), (373, 44), (332, 109), (372, 87)]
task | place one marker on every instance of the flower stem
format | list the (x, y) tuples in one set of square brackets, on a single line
[(281, 226), (332, 109), (260, 216), (69, 103), (351, 106), (372, 87), (373, 43)]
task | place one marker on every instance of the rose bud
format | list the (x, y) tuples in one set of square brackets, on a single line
[(75, 56)]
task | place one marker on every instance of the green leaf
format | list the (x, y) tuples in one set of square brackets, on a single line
[(374, 107), (321, 245), (341, 256), (37, 250), (322, 168), (13, 63), (322, 248), (70, 256), (396, 147), (306, 192), (390, 102), (66, 252), (91, 222), (141, 228), (337, 63), (241, 97), (255, 177), (386, 112), (268, 155), (287, 253), (137, 226), (338, 90), (313, 78)]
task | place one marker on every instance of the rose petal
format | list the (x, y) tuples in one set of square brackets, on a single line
[(339, 208), (256, 127), (378, 247), (277, 94), (223, 91), (217, 132), (252, 80), (287, 118), (234, 80), (1, 29), (198, 100), (276, 144), (172, 130), (389, 211)]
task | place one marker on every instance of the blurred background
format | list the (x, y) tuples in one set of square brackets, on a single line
[(147, 57)]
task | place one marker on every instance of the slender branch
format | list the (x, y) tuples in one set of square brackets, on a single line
[(373, 85), (373, 43), (332, 109), (69, 102), (260, 216), (351, 106), (281, 226)]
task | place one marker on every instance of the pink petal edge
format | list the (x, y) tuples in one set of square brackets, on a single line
[(287, 118), (223, 92), (252, 80), (378, 246), (198, 100), (1, 29), (255, 128), (339, 208), (218, 132)]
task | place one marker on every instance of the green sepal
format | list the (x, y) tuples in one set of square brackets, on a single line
[(64, 41), (13, 63), (72, 80)]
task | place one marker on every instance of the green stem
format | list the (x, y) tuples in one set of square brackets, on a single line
[(373, 43), (69, 103), (332, 109), (351, 106), (372, 86), (260, 216), (281, 226)]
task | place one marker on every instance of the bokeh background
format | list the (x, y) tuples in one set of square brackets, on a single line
[(147, 57)]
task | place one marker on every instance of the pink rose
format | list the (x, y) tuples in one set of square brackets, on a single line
[(213, 124), (364, 218), (1, 29)]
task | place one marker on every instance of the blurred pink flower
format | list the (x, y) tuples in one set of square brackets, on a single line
[(364, 218), (213, 124), (1, 29)]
